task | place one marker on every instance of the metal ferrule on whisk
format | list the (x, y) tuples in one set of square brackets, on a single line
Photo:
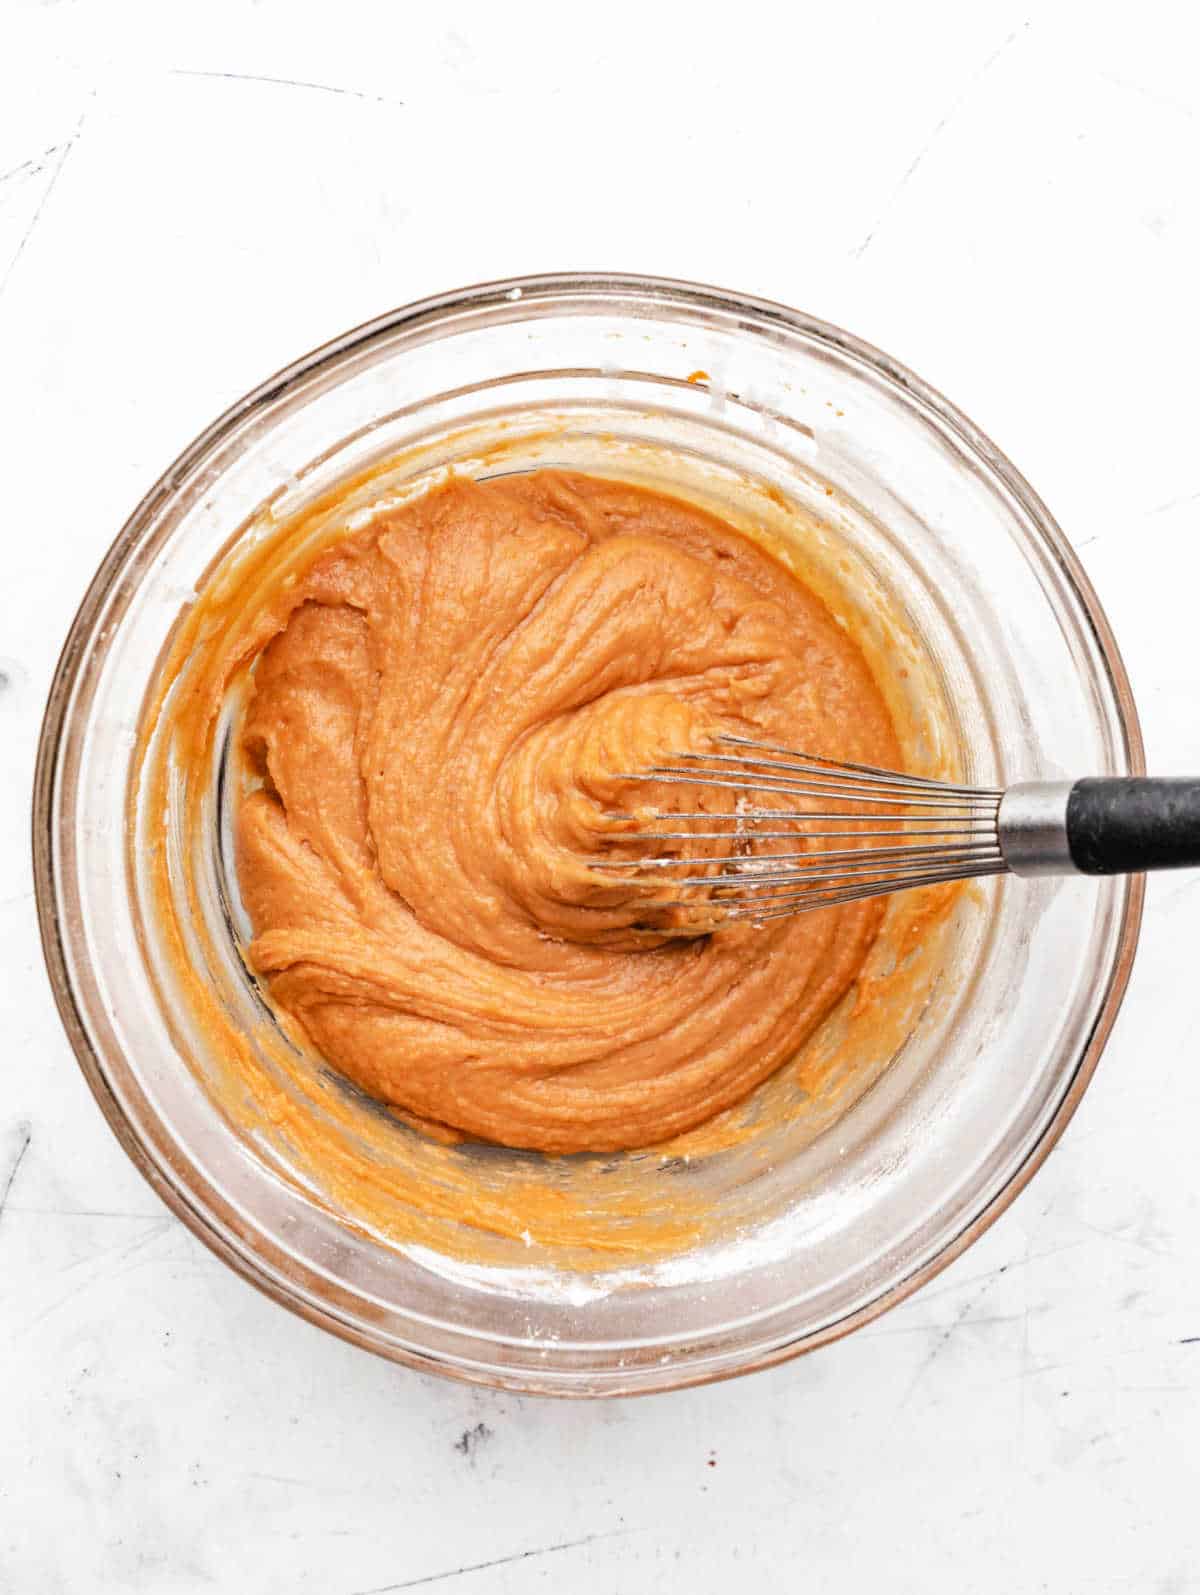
[(1032, 828)]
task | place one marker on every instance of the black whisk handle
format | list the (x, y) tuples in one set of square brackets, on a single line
[(1126, 825)]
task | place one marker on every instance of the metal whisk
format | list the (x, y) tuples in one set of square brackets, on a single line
[(866, 832)]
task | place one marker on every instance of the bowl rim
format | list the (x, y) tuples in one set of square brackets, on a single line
[(600, 286)]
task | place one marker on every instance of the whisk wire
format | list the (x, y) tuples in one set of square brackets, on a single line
[(933, 832), (671, 775)]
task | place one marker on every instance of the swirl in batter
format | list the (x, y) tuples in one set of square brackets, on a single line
[(440, 725)]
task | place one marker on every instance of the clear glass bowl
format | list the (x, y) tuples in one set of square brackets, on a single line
[(729, 396)]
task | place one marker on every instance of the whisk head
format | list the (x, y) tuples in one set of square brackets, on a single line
[(803, 833)]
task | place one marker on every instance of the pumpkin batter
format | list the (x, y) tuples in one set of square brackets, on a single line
[(440, 725)]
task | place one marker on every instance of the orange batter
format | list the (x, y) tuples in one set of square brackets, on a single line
[(440, 723)]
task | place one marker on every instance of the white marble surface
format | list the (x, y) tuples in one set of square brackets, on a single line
[(1004, 197)]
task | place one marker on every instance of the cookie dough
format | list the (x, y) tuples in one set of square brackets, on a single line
[(436, 738)]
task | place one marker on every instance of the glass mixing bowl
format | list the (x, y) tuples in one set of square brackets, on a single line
[(744, 403)]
